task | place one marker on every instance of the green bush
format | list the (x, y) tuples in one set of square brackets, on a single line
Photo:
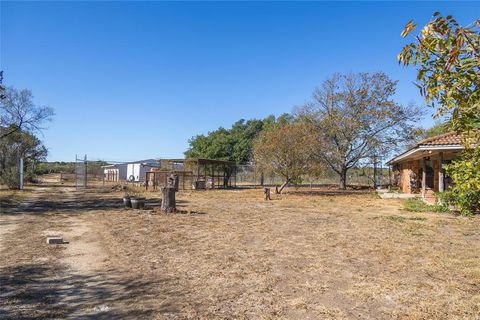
[(447, 198), (465, 173), (417, 205), (468, 202), (9, 177)]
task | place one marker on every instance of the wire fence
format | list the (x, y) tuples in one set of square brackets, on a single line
[(81, 177), (89, 173), (249, 175)]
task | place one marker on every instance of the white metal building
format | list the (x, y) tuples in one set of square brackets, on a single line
[(115, 172), (131, 171), (137, 171)]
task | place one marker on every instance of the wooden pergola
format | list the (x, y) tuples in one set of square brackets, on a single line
[(196, 173)]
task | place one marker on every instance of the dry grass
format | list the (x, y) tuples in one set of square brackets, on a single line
[(318, 254)]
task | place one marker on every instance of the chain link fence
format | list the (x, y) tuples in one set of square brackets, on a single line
[(81, 174)]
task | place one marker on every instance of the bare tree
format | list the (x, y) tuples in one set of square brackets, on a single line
[(284, 150), (353, 116), (11, 146), (19, 113), (2, 87)]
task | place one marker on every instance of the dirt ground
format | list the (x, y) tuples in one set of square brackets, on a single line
[(309, 254)]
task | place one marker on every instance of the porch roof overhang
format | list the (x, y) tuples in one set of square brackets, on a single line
[(200, 161), (418, 150), (109, 166)]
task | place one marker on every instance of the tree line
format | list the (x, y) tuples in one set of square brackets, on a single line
[(235, 143), (20, 122)]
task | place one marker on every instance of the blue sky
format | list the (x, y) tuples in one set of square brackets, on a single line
[(132, 80)]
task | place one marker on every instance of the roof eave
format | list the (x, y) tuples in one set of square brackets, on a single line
[(425, 148)]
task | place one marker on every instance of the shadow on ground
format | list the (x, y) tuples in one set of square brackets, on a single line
[(330, 193), (72, 204), (37, 291)]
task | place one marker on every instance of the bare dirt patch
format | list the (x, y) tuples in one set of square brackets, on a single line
[(312, 253)]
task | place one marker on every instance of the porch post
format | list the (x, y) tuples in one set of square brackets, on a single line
[(441, 186), (389, 176), (198, 172), (424, 177)]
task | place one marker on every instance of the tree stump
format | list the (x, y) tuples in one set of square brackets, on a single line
[(168, 202), (266, 192)]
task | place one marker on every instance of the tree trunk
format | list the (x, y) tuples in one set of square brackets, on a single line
[(343, 179), (262, 179), (168, 202), (283, 186)]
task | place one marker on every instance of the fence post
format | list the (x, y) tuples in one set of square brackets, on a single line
[(86, 172), (76, 173), (20, 169)]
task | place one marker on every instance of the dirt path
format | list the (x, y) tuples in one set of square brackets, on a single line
[(69, 281), (7, 226), (10, 218)]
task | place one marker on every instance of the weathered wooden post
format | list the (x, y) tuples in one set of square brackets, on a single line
[(175, 181), (424, 177), (168, 202), (86, 173), (266, 192)]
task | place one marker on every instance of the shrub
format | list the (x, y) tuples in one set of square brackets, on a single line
[(465, 173), (468, 201), (9, 178), (417, 205), (447, 198)]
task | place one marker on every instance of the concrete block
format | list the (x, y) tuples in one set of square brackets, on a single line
[(54, 240)]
